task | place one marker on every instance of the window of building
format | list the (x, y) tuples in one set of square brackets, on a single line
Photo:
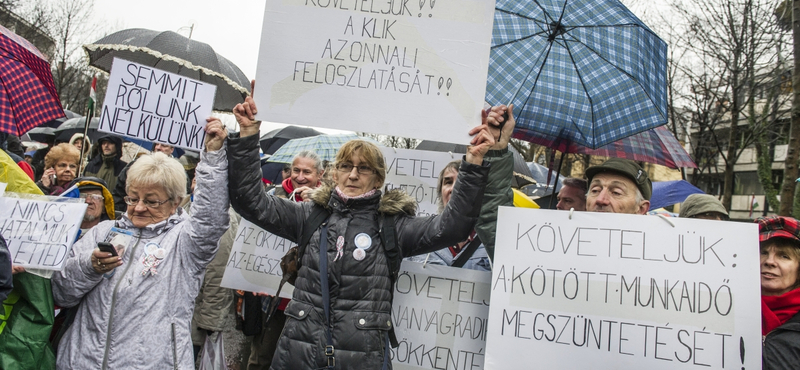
[(746, 183)]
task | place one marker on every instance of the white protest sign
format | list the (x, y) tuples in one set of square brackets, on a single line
[(2, 188), (39, 233), (612, 291), (440, 317), (417, 173), (411, 69), (254, 264), (153, 105)]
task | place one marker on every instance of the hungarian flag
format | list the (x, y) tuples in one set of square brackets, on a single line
[(92, 98), (753, 205)]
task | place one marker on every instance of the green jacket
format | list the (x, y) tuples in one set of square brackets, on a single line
[(28, 317), (498, 193)]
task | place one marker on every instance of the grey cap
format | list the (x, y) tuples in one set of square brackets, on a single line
[(696, 204)]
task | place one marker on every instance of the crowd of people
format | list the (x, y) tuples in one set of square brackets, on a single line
[(152, 299)]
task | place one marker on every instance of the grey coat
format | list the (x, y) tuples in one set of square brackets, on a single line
[(134, 321), (360, 291)]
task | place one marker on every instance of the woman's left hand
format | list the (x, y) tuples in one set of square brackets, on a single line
[(482, 140), (215, 134)]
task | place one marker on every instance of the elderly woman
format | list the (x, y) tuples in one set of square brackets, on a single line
[(780, 298), (347, 325), (61, 167), (134, 310)]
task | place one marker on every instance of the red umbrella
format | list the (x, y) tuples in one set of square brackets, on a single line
[(28, 96), (656, 145)]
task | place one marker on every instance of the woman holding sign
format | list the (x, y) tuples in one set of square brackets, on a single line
[(340, 313), (133, 281), (780, 296)]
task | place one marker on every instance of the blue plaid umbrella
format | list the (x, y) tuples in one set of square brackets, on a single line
[(326, 147), (584, 71)]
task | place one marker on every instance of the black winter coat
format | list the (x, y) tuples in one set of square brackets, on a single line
[(360, 291), (781, 348)]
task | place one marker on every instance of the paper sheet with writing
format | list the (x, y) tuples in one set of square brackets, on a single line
[(405, 68), (147, 103), (607, 291), (40, 233), (440, 317), (417, 173)]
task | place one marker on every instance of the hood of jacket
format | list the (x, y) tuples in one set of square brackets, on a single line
[(97, 150), (392, 202)]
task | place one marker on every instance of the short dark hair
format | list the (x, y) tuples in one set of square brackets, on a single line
[(581, 184)]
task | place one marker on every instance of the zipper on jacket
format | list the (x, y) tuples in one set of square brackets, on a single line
[(114, 300), (174, 349)]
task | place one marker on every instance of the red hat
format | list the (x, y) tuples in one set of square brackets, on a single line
[(778, 227)]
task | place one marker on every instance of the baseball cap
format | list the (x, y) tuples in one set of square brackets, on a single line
[(627, 168), (778, 227), (696, 204)]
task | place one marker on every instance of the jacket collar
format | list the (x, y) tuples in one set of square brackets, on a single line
[(391, 202), (157, 228)]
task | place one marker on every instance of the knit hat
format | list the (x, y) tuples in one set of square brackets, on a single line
[(696, 204)]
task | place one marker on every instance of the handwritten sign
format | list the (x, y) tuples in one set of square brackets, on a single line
[(610, 291), (39, 233), (411, 69), (440, 317), (417, 173), (254, 264), (150, 104)]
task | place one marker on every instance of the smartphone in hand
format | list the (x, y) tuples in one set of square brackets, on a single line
[(107, 247)]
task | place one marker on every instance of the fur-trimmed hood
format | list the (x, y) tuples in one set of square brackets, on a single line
[(393, 202)]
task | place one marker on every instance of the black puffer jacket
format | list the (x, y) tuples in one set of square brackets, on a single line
[(360, 291), (781, 349)]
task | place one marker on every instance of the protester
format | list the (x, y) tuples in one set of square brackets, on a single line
[(61, 165), (38, 158), (572, 195), (139, 316), (6, 279), (303, 175), (83, 144), (105, 161), (163, 148), (618, 186), (498, 193), (99, 203), (780, 296), (214, 309), (356, 337), (704, 206)]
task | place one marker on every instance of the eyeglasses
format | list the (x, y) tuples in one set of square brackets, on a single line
[(93, 197), (348, 167), (147, 203)]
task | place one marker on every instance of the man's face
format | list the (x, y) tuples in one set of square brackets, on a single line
[(304, 173), (94, 204), (163, 148), (108, 147), (571, 197), (610, 192)]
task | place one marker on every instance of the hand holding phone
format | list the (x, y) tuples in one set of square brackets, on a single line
[(108, 248)]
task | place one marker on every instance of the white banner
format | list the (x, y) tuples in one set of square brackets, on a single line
[(411, 69), (153, 105), (254, 264), (417, 173), (611, 291), (40, 233), (440, 317)]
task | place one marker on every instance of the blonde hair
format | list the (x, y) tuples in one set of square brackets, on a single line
[(60, 152), (158, 169), (370, 155)]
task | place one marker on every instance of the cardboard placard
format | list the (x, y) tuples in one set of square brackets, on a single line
[(146, 103), (417, 173), (39, 232), (618, 291), (410, 69)]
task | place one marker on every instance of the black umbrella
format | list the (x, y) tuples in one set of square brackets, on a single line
[(76, 125), (58, 121), (275, 139), (174, 53), (40, 134)]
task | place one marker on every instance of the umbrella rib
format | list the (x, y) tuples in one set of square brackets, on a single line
[(546, 14), (518, 40), (550, 47), (580, 78)]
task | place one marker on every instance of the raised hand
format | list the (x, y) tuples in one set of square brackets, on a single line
[(215, 134), (482, 140), (245, 114)]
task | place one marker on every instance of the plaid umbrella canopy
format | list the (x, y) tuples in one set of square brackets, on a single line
[(28, 96), (582, 71), (174, 53), (657, 146), (326, 147)]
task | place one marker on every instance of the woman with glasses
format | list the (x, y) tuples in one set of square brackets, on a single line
[(352, 330), (135, 296), (61, 167)]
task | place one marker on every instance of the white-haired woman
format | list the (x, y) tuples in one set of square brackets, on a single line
[(134, 310)]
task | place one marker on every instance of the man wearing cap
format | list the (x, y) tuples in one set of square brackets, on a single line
[(99, 203), (618, 186), (703, 206)]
